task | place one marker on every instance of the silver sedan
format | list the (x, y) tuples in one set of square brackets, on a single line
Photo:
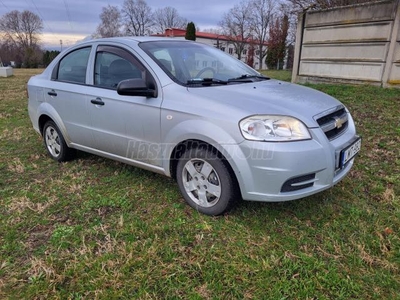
[(192, 112)]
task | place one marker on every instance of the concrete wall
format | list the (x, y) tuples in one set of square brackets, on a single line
[(354, 44)]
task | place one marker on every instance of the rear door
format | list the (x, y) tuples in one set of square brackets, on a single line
[(124, 126), (66, 93)]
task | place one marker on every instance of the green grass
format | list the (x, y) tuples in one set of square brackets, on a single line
[(94, 228), (285, 75)]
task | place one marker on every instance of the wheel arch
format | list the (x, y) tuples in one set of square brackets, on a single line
[(185, 145), (43, 119), (47, 113)]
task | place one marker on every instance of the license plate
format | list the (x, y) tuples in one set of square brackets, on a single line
[(348, 153)]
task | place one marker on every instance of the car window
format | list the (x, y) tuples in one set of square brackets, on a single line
[(186, 62), (165, 61), (72, 67), (112, 68)]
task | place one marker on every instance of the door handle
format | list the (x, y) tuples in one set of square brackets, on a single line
[(97, 101), (52, 93)]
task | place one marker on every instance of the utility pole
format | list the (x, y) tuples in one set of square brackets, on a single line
[(61, 44)]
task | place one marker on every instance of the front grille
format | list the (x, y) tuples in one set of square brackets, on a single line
[(298, 183), (334, 124)]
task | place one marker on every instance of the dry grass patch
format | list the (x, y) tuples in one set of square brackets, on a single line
[(20, 204), (389, 195), (16, 166), (375, 261)]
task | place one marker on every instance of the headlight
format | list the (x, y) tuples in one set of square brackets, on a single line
[(273, 129)]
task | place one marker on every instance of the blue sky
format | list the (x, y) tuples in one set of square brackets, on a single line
[(73, 20)]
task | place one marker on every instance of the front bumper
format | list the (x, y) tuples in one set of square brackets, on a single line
[(290, 170)]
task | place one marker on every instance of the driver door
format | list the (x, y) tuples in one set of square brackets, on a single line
[(123, 126)]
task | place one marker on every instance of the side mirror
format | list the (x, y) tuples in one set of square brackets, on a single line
[(135, 87)]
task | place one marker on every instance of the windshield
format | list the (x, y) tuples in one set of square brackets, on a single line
[(190, 63)]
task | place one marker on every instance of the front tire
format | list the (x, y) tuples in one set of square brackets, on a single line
[(206, 182), (55, 143)]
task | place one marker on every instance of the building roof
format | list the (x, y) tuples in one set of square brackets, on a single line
[(177, 32)]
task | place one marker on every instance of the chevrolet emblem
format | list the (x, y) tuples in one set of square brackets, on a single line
[(339, 122)]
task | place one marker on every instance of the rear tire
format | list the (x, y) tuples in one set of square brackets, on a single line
[(206, 182), (55, 143)]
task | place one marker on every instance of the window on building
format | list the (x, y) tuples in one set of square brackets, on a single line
[(257, 52), (244, 51), (230, 51), (214, 64), (205, 64), (223, 49)]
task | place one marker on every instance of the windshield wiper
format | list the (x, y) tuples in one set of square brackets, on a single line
[(248, 78), (211, 81), (206, 81)]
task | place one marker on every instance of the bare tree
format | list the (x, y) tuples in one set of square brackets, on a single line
[(110, 22), (9, 52), (237, 26), (262, 11), (22, 29), (168, 17), (137, 17), (285, 9)]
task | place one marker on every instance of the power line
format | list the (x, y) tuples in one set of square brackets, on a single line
[(27, 2), (4, 5), (44, 22), (68, 14)]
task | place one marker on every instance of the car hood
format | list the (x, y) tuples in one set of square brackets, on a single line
[(271, 97)]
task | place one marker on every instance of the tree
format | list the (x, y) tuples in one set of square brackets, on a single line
[(190, 32), (290, 56), (48, 57), (10, 52), (168, 17), (110, 22), (277, 42), (22, 29), (250, 56), (237, 27), (262, 11), (137, 17), (33, 56)]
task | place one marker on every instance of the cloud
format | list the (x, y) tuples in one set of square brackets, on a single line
[(72, 20), (51, 41)]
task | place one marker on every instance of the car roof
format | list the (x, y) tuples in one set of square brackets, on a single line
[(130, 39)]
